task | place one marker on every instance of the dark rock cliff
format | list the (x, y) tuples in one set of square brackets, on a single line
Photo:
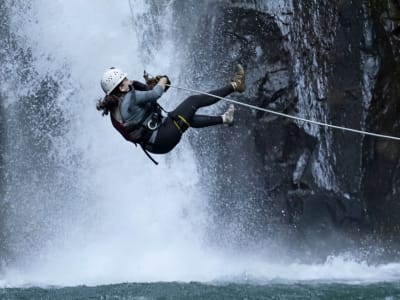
[(381, 158), (334, 62)]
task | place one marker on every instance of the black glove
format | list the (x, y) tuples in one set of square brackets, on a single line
[(152, 81)]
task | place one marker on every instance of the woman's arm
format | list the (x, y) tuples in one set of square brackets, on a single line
[(138, 86), (152, 95), (143, 97)]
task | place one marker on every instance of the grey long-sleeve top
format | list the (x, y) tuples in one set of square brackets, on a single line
[(137, 104)]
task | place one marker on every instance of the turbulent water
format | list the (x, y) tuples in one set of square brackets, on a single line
[(82, 207), (216, 291)]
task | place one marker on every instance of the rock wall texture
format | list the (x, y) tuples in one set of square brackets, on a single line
[(330, 61)]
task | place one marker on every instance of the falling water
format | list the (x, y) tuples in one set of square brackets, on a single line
[(109, 214)]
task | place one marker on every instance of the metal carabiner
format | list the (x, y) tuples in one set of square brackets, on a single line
[(152, 124)]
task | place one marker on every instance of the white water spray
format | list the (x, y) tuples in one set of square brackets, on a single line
[(141, 222)]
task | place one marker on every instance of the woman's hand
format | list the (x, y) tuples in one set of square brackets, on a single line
[(163, 81)]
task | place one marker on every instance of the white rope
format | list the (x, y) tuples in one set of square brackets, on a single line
[(132, 15), (289, 116)]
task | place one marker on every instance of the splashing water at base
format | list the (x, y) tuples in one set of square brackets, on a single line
[(95, 267)]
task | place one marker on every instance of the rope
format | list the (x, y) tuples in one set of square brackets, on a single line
[(290, 116), (132, 15)]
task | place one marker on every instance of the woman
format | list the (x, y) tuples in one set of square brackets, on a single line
[(136, 114)]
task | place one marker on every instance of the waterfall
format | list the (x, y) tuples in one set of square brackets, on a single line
[(78, 196)]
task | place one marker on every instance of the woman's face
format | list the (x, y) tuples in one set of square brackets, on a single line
[(124, 86)]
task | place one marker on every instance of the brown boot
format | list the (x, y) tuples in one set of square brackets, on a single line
[(238, 81)]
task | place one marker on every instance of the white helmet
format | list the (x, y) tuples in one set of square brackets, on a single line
[(111, 79)]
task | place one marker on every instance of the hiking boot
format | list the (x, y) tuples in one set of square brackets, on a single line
[(238, 79), (227, 117)]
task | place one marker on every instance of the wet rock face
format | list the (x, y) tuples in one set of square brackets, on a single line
[(259, 148), (332, 64), (336, 62), (381, 158)]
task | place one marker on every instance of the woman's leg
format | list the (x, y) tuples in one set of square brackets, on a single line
[(200, 121), (169, 134), (188, 107)]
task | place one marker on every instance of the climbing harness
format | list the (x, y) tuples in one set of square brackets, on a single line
[(154, 122), (290, 116), (137, 134), (180, 122), (140, 132)]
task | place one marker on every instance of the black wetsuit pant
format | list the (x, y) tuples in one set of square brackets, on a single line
[(169, 134)]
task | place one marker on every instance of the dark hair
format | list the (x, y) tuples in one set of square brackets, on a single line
[(109, 102)]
